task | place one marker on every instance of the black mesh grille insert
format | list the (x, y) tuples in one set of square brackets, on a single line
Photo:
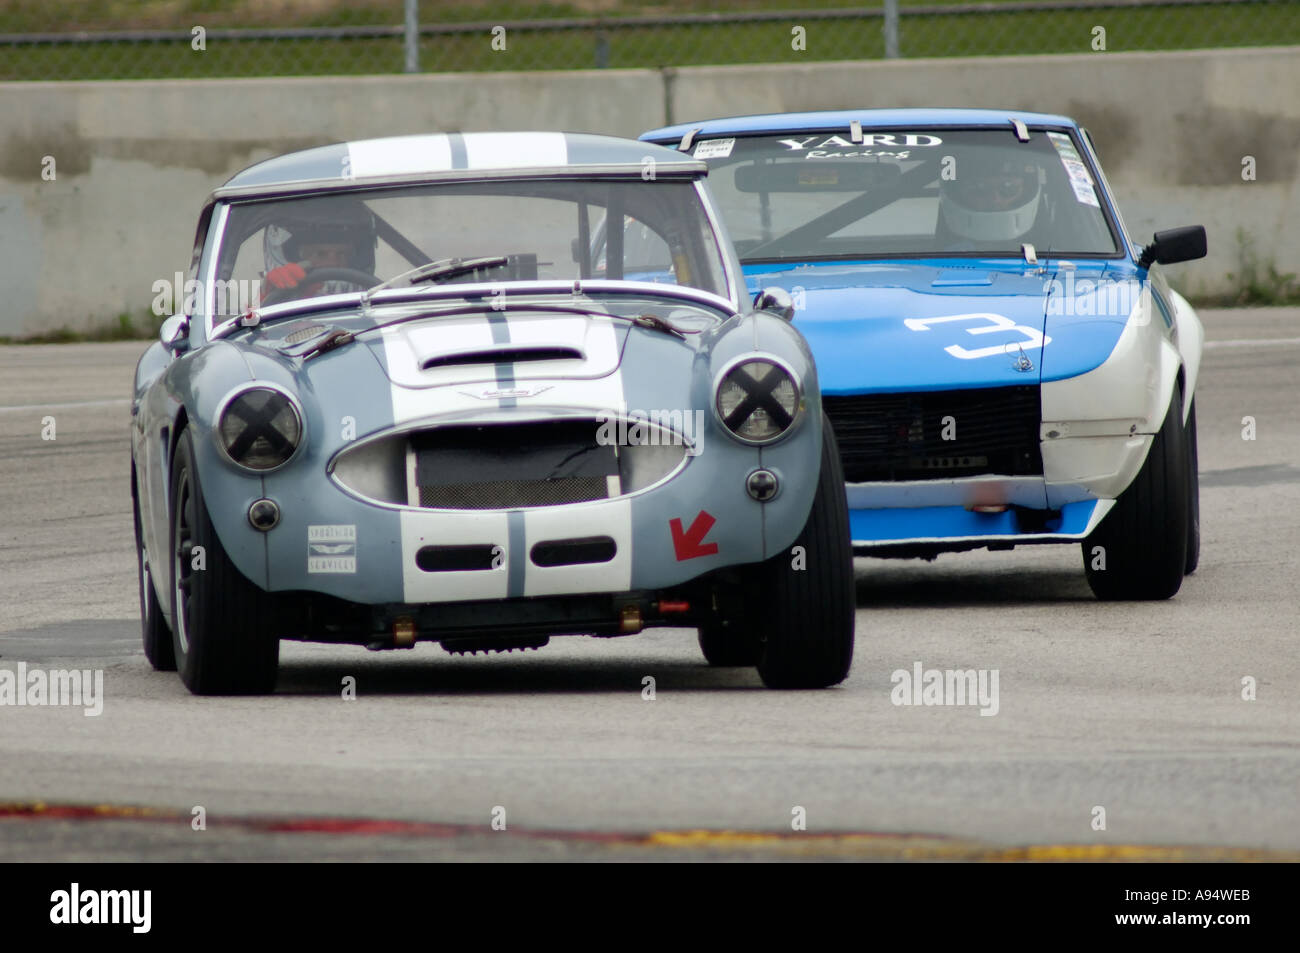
[(901, 436), (510, 494), (507, 466)]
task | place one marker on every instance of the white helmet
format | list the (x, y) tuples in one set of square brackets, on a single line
[(994, 195)]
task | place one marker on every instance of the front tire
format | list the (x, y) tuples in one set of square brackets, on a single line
[(158, 647), (1139, 552), (726, 644), (223, 637), (807, 630), (1193, 496)]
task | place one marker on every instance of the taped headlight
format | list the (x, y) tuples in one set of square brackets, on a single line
[(758, 400), (260, 428)]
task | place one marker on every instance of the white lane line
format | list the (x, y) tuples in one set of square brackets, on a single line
[(20, 408), (1253, 342)]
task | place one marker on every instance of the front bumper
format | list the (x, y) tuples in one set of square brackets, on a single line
[(1082, 478), (700, 520)]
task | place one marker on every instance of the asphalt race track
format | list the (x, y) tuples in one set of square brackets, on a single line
[(1133, 708)]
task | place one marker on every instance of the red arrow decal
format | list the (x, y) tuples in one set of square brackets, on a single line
[(690, 543)]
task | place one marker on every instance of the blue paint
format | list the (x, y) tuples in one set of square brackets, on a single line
[(852, 314), (840, 119), (956, 522)]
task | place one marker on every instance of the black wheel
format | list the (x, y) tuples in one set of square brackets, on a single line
[(806, 623), (1142, 541), (729, 644), (158, 647), (1193, 496), (223, 637)]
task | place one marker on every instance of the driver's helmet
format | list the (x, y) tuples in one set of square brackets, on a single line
[(995, 194), (329, 220)]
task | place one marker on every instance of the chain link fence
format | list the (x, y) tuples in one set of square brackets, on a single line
[(156, 39)]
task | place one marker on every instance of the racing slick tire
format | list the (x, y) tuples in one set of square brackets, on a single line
[(1143, 540), (729, 645), (158, 648), (806, 626), (1193, 496), (223, 640)]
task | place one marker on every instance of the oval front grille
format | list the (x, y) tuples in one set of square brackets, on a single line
[(503, 466)]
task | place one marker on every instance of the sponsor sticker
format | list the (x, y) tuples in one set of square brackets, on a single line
[(332, 549), (1063, 145), (1085, 194), (714, 148), (1072, 162)]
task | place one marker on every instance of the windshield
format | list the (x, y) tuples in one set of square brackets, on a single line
[(494, 232), (929, 192)]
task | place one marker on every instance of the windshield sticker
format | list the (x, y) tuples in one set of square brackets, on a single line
[(332, 548), (1080, 178), (870, 140), (714, 148), (822, 146), (857, 154), (1085, 194), (1063, 145)]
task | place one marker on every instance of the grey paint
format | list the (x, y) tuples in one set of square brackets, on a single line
[(657, 372)]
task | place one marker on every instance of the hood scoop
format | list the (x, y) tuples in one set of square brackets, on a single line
[(528, 345), (505, 353)]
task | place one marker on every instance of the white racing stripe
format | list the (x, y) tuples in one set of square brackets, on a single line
[(575, 384), (431, 528), (503, 150), (400, 155), (403, 350), (613, 519), (405, 346)]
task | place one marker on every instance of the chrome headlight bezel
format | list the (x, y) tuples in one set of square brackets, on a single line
[(224, 407), (800, 401)]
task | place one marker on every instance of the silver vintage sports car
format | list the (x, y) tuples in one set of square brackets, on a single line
[(481, 389)]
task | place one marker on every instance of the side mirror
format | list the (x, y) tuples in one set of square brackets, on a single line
[(1174, 245), (175, 333), (777, 300)]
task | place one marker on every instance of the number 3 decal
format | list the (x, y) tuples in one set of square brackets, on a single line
[(994, 322)]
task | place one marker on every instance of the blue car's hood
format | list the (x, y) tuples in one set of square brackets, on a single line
[(876, 326)]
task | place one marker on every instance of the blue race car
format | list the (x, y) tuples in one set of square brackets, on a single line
[(419, 393), (1002, 364)]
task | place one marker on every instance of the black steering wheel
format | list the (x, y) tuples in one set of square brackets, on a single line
[(317, 275)]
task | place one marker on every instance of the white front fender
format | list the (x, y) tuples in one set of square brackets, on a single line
[(1097, 427)]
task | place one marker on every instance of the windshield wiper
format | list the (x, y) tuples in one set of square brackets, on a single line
[(438, 270), (454, 267), (336, 338), (656, 323)]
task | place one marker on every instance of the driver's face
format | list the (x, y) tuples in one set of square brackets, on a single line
[(997, 187), (326, 254)]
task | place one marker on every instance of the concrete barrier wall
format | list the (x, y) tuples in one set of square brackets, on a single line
[(84, 237)]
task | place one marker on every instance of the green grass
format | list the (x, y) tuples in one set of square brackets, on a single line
[(1148, 28), (1256, 282), (121, 328)]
